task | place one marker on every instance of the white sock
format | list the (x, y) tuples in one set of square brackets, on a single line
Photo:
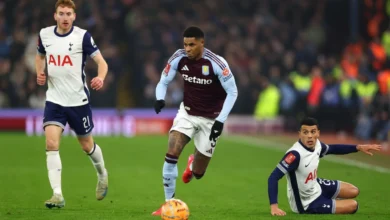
[(170, 174), (96, 156), (54, 168)]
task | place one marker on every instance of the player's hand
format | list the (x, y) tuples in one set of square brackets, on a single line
[(97, 83), (41, 78), (367, 148), (216, 131), (158, 105), (275, 210)]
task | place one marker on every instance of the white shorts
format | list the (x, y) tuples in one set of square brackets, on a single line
[(195, 127)]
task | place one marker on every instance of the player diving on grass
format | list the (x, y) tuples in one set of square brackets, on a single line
[(65, 48), (305, 191), (210, 92)]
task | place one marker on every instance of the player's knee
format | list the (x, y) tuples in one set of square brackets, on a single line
[(354, 191), (52, 144), (87, 147), (86, 144), (354, 207), (197, 175)]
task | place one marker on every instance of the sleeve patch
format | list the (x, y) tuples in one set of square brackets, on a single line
[(290, 158), (225, 72), (167, 68)]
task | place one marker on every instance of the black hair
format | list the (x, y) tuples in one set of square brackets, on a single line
[(193, 32), (309, 122)]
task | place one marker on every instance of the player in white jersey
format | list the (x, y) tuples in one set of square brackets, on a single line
[(65, 48), (306, 192)]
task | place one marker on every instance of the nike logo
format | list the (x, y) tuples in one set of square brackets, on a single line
[(215, 131), (308, 164), (48, 45), (87, 130)]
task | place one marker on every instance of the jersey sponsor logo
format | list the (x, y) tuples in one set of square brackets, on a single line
[(205, 70), (60, 61), (312, 176), (290, 158), (196, 80)]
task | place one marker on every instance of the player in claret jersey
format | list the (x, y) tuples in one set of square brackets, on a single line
[(209, 95), (306, 192), (65, 48)]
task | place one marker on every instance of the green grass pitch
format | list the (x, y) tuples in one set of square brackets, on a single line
[(234, 187)]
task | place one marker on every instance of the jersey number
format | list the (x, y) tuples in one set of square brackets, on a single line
[(87, 124)]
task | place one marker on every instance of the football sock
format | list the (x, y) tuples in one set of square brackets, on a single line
[(54, 167), (96, 157), (170, 174)]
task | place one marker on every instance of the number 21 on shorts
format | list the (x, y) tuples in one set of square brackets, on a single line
[(86, 122)]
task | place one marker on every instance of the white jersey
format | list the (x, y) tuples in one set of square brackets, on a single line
[(65, 57), (302, 185)]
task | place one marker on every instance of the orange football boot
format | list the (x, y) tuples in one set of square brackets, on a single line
[(187, 175)]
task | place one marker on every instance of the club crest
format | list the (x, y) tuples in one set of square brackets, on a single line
[(205, 70)]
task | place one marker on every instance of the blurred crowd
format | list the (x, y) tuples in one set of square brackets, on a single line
[(289, 58)]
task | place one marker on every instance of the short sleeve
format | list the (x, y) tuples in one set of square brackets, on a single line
[(89, 46), (324, 149), (290, 162), (40, 47)]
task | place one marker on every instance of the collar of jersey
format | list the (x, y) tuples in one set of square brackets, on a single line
[(62, 35), (308, 149)]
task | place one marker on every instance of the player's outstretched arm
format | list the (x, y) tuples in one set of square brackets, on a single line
[(98, 82), (289, 163), (40, 65), (347, 149), (368, 148)]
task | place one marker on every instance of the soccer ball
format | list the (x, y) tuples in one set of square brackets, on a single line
[(175, 209)]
